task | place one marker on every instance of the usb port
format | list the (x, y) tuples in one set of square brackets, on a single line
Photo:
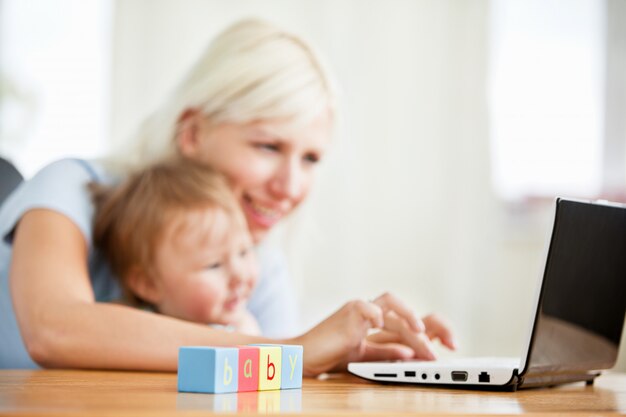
[(459, 376), (409, 373)]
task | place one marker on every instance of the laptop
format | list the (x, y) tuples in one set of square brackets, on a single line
[(577, 322)]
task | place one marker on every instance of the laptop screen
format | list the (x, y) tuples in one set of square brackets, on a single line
[(583, 298)]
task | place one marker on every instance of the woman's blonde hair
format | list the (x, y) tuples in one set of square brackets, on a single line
[(251, 71), (131, 218)]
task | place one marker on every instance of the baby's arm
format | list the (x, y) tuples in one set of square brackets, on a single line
[(247, 324)]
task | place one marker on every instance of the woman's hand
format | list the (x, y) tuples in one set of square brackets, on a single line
[(346, 335), (397, 331)]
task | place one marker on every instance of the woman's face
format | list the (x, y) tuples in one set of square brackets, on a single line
[(270, 164)]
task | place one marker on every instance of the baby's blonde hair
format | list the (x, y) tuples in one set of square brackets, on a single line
[(251, 71), (132, 217)]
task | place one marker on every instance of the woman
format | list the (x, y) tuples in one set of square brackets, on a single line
[(259, 108)]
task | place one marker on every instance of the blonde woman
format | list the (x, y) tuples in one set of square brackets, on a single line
[(258, 107)]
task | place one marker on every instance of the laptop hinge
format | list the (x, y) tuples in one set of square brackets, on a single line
[(542, 379)]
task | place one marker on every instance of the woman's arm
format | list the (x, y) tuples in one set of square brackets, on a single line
[(63, 326)]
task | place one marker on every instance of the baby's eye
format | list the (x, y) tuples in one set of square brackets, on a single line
[(215, 265), (272, 147)]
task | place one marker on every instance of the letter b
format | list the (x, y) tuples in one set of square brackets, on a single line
[(270, 365), (228, 373), (207, 369)]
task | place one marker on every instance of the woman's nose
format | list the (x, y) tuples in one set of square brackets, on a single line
[(288, 180)]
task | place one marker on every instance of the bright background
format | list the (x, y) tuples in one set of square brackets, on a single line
[(461, 120)]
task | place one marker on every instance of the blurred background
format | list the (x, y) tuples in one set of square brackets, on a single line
[(460, 122)]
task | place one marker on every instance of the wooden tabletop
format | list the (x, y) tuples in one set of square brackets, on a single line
[(94, 393)]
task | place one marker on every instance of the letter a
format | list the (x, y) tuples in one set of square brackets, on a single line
[(247, 368), (269, 378), (228, 372)]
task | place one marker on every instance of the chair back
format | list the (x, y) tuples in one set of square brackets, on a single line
[(10, 178)]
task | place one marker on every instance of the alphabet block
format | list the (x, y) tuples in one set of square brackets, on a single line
[(239, 369), (248, 368), (269, 367), (291, 376), (208, 369)]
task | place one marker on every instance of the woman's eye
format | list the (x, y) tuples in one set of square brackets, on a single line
[(312, 158), (215, 265)]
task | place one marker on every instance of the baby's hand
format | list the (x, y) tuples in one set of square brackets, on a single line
[(247, 324)]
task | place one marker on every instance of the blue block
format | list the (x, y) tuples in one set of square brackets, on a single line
[(291, 376), (207, 369)]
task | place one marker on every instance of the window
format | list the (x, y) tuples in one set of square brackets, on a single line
[(546, 85), (55, 64)]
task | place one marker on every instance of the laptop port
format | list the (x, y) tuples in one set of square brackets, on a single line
[(484, 377), (437, 377), (459, 376), (409, 373), (424, 376), (385, 375)]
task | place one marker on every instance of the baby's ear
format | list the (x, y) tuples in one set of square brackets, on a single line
[(143, 285)]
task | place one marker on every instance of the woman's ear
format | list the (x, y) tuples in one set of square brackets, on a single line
[(143, 286), (187, 136)]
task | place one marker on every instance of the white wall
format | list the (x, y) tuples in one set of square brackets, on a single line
[(404, 202)]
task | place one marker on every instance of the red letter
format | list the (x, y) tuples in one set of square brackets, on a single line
[(269, 378)]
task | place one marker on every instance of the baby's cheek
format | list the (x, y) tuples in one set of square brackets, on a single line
[(202, 305), (253, 272)]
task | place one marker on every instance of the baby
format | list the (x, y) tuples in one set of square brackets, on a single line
[(174, 235)]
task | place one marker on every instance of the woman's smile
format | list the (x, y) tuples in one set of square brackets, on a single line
[(261, 214)]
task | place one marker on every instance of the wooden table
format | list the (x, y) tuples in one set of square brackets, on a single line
[(92, 393)]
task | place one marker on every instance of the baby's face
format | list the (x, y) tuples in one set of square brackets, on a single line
[(206, 267)]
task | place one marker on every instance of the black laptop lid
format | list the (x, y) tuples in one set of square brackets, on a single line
[(582, 303)]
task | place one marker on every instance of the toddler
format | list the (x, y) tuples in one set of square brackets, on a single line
[(174, 235)]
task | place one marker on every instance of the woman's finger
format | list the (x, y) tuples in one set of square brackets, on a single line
[(384, 336), (385, 352), (370, 312), (396, 324), (419, 343), (389, 302), (438, 328)]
